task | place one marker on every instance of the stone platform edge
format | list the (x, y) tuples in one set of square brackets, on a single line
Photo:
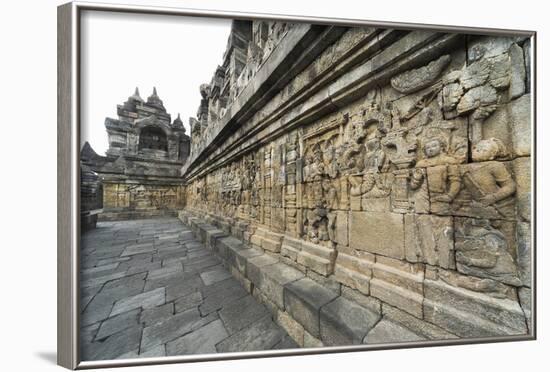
[(312, 311)]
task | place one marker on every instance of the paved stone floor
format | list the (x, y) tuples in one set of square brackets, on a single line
[(149, 288)]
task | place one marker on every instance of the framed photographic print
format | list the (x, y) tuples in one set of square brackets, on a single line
[(236, 185)]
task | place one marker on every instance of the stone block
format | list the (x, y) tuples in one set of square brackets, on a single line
[(511, 123), (342, 228), (524, 252), (386, 331), (273, 279), (398, 283), (520, 124), (354, 271), (317, 257), (174, 327), (225, 246), (245, 283), (491, 46), (257, 238), (114, 346), (419, 327), (118, 323), (408, 301), (242, 256), (144, 300), (200, 341), (521, 167), (328, 282), (272, 242), (215, 275), (345, 323), (517, 71), (525, 300), (294, 329), (303, 300), (241, 313), (430, 239), (380, 233), (311, 342), (156, 314), (254, 267), (290, 247), (192, 300), (367, 302), (212, 236), (467, 313), (260, 335)]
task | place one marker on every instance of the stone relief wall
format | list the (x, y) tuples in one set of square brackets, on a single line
[(410, 189)]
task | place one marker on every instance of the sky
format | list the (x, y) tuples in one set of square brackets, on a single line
[(122, 51)]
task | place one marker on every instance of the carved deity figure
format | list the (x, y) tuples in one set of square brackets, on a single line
[(442, 172), (321, 194), (372, 183), (489, 182), (482, 251)]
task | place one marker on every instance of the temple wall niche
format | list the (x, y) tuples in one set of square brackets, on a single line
[(394, 166)]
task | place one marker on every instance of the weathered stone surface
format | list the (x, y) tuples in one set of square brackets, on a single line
[(117, 344), (155, 352), (368, 302), (215, 275), (118, 323), (345, 323), (521, 168), (144, 300), (471, 314), (273, 279), (354, 271), (157, 314), (390, 168), (386, 331), (260, 335), (201, 341), (525, 295), (190, 301), (173, 327), (294, 329), (242, 257), (524, 252), (255, 266), (430, 239), (517, 81), (520, 124), (413, 324), (241, 313), (311, 342), (399, 284), (220, 297), (303, 300), (485, 251), (380, 233)]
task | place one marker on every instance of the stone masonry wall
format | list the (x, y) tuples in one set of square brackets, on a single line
[(390, 169)]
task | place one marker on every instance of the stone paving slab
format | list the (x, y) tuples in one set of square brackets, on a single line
[(149, 288)]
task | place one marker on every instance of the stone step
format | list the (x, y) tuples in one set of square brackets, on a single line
[(318, 264), (343, 322), (303, 301)]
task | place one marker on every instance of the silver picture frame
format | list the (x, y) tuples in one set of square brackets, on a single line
[(68, 184)]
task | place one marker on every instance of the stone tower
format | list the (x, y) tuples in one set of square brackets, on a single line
[(140, 172)]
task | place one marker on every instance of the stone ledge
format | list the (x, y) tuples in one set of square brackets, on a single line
[(343, 322), (303, 301), (317, 315)]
